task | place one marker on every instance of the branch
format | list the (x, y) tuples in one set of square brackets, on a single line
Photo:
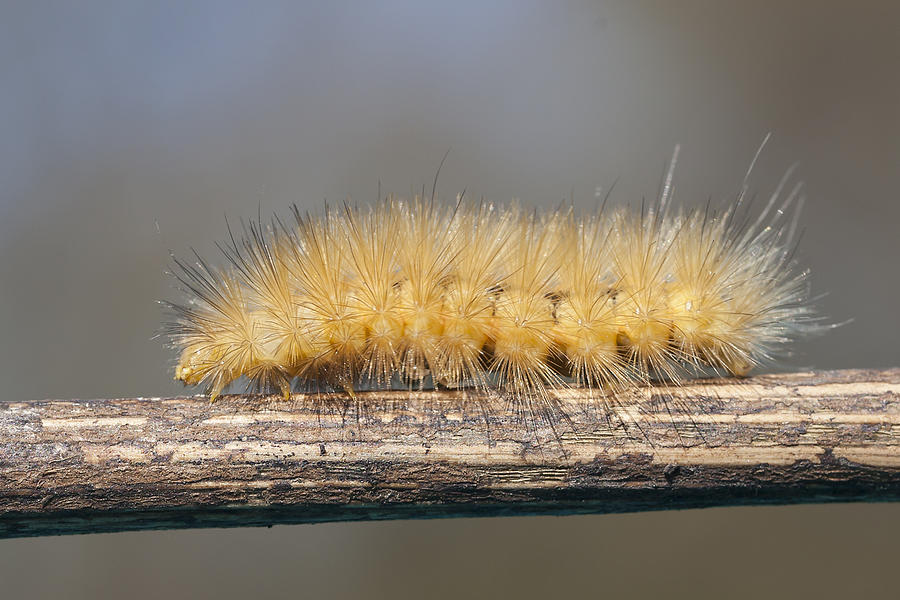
[(78, 466)]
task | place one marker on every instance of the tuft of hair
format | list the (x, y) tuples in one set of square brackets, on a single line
[(418, 294)]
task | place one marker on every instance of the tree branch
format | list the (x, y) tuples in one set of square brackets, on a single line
[(77, 466)]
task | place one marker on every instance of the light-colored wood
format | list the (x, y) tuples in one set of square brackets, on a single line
[(69, 466)]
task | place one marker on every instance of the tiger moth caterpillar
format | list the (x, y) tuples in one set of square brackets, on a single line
[(416, 293)]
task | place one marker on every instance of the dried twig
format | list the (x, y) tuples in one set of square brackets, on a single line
[(74, 466)]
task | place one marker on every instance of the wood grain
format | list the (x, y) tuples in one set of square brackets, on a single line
[(76, 466)]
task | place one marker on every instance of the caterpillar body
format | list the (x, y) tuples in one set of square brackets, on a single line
[(416, 293)]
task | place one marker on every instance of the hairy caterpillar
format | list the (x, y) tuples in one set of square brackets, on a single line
[(415, 293)]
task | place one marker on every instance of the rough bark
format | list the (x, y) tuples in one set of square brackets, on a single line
[(75, 466)]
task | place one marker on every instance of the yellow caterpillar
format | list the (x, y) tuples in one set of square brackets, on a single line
[(474, 294)]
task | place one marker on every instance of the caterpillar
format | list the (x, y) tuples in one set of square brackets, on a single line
[(417, 293)]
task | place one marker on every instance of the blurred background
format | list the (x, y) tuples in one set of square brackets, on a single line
[(131, 128)]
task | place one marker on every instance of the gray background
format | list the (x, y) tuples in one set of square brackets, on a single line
[(128, 129)]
